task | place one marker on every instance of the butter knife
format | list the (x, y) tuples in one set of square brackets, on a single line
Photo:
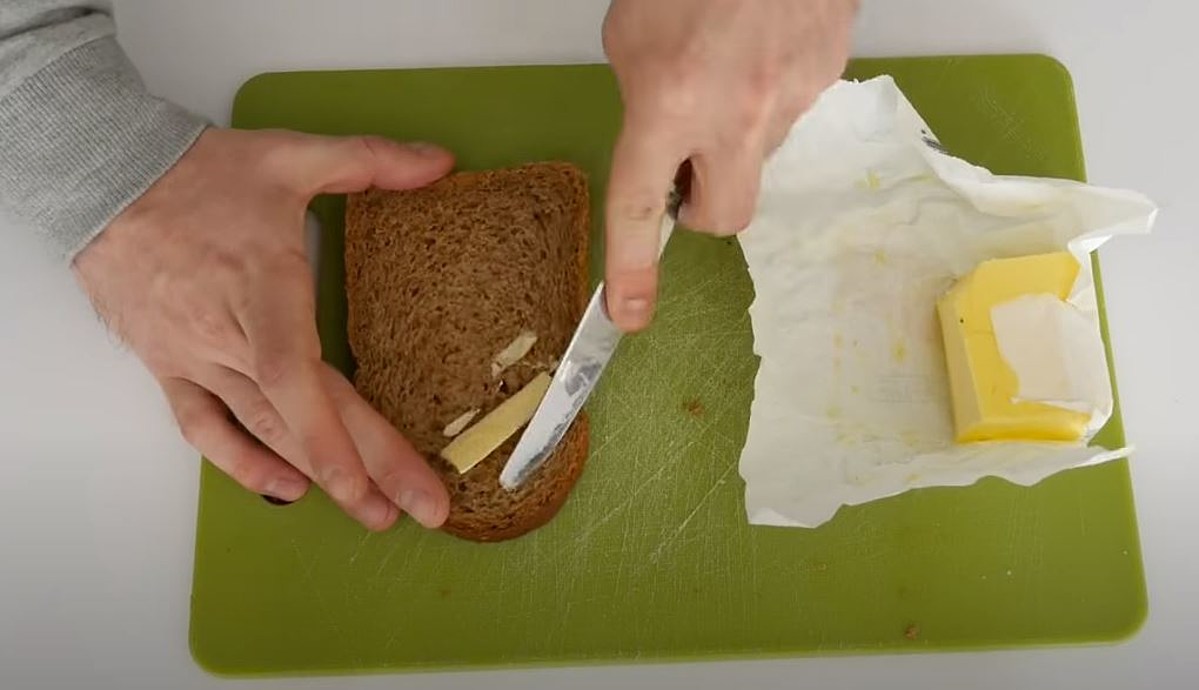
[(579, 370)]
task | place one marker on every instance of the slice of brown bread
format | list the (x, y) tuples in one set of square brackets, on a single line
[(439, 280)]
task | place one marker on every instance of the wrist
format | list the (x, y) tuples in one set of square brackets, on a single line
[(81, 139)]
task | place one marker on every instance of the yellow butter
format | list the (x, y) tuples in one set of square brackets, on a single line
[(460, 423), (471, 446), (982, 384), (513, 353)]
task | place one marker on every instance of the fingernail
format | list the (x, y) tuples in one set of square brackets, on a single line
[(420, 506), (637, 306), (380, 512), (636, 312), (286, 489)]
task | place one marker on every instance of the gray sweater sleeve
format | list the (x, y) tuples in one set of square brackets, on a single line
[(80, 138)]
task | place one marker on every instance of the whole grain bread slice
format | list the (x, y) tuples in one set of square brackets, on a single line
[(439, 280)]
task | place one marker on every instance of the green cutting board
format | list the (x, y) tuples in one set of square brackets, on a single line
[(651, 558)]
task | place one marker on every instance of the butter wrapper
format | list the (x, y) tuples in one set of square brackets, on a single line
[(863, 222)]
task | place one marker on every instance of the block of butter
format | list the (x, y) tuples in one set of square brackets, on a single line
[(984, 387)]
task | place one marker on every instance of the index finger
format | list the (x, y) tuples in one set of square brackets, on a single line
[(644, 163), (287, 367)]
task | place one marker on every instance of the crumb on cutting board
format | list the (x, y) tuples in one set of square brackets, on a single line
[(694, 407), (912, 631)]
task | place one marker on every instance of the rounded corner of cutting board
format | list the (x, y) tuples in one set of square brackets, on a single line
[(207, 659), (249, 90), (1129, 627), (1052, 65)]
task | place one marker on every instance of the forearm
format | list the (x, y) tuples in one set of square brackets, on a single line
[(80, 138)]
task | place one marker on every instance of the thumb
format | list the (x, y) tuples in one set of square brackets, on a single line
[(644, 163), (336, 165)]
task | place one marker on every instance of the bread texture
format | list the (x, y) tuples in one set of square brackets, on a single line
[(438, 281)]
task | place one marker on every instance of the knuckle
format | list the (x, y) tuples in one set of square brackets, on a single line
[(193, 425), (189, 298), (163, 360), (294, 262), (639, 207), (213, 326), (740, 216), (732, 226), (390, 485), (723, 221), (751, 113), (279, 161), (391, 481), (677, 97), (191, 430), (350, 488), (668, 92), (226, 262), (276, 152), (286, 360), (763, 80), (734, 222), (274, 368), (264, 423), (245, 471), (290, 268), (369, 146), (611, 33)]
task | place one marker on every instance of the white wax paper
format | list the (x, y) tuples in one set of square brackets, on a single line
[(1057, 355), (862, 224)]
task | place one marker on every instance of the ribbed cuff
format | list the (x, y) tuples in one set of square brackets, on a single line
[(81, 140)]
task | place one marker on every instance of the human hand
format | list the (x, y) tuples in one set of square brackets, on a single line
[(717, 83), (206, 278)]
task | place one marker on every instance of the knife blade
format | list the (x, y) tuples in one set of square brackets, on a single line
[(580, 368)]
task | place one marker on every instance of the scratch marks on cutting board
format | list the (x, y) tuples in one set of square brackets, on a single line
[(616, 509), (663, 449), (307, 567), (359, 546), (1011, 127), (387, 558), (718, 277), (657, 553), (389, 576)]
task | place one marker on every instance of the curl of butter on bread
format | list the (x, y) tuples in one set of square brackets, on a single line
[(460, 423), (513, 353), (477, 442)]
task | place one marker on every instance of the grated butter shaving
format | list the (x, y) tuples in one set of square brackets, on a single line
[(513, 353), (455, 427)]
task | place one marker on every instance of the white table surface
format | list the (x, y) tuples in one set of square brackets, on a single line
[(98, 494)]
